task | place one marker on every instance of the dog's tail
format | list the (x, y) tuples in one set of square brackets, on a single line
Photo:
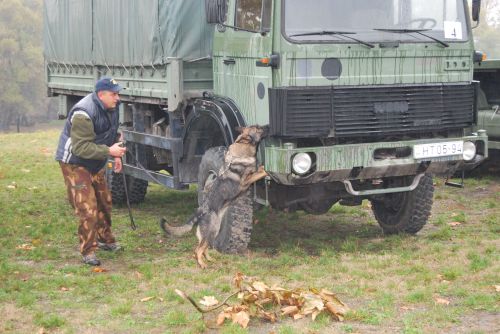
[(181, 229)]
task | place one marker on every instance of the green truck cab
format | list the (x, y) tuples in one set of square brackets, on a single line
[(364, 99)]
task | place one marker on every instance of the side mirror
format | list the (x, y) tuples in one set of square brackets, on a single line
[(215, 11), (478, 57), (476, 9)]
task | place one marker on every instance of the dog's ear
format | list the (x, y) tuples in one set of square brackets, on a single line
[(265, 130)]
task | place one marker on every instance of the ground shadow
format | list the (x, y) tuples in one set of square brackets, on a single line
[(276, 232)]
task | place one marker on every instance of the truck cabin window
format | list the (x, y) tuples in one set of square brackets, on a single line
[(374, 20), (253, 14)]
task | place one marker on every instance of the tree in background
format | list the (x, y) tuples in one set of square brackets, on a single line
[(487, 35), (22, 87)]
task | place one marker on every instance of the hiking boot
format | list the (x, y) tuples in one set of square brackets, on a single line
[(91, 259), (111, 247)]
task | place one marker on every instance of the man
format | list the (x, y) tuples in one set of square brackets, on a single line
[(89, 136)]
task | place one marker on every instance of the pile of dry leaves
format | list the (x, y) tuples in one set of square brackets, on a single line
[(257, 300)]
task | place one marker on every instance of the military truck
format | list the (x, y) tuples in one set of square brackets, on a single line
[(364, 99), (488, 74)]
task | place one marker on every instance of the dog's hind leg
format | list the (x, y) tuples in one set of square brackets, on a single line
[(199, 253), (207, 256)]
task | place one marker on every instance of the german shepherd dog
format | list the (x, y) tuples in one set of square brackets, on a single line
[(235, 177)]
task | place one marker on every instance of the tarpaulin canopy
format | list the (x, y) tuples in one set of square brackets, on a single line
[(125, 32)]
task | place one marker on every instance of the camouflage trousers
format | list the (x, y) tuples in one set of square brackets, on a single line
[(88, 194)]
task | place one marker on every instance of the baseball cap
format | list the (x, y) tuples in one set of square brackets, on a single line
[(106, 83)]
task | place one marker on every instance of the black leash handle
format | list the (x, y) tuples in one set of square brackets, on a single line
[(132, 223)]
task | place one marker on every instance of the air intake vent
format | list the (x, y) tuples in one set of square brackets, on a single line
[(344, 112)]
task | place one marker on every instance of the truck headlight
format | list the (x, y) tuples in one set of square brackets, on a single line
[(301, 163), (469, 151)]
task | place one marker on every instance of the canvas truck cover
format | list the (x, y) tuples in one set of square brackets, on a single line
[(125, 32)]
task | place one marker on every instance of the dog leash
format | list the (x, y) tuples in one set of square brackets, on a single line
[(132, 222)]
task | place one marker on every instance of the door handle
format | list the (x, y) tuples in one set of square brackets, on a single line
[(229, 61)]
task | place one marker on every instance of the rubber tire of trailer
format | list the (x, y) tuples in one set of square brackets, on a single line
[(137, 188), (405, 212), (236, 225)]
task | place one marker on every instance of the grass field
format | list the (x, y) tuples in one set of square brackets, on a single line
[(444, 280)]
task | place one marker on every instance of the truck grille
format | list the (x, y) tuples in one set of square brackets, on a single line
[(347, 111)]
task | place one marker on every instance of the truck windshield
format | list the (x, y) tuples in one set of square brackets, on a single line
[(375, 20)]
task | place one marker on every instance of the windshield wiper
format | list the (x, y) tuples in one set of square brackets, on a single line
[(340, 33), (417, 31)]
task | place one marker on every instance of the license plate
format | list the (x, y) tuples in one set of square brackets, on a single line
[(438, 149)]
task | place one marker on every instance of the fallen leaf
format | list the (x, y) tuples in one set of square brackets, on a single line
[(160, 299), (260, 286), (338, 310), (36, 242), (138, 275), (209, 301), (315, 314), (407, 308), (263, 302), (222, 317), (26, 247), (267, 316), (441, 279), (46, 151), (441, 301), (63, 288), (497, 288), (313, 303), (453, 224), (42, 331), (99, 270), (24, 170), (146, 299), (238, 279), (289, 310), (241, 318)]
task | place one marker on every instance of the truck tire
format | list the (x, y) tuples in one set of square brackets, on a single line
[(236, 224), (137, 188), (405, 212)]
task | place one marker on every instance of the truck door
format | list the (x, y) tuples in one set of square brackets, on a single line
[(238, 72)]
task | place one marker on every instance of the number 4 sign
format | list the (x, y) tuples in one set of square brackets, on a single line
[(452, 30)]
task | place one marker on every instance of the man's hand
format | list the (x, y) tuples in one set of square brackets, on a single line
[(118, 165), (117, 150)]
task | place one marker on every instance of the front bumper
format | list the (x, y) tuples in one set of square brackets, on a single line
[(358, 162)]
